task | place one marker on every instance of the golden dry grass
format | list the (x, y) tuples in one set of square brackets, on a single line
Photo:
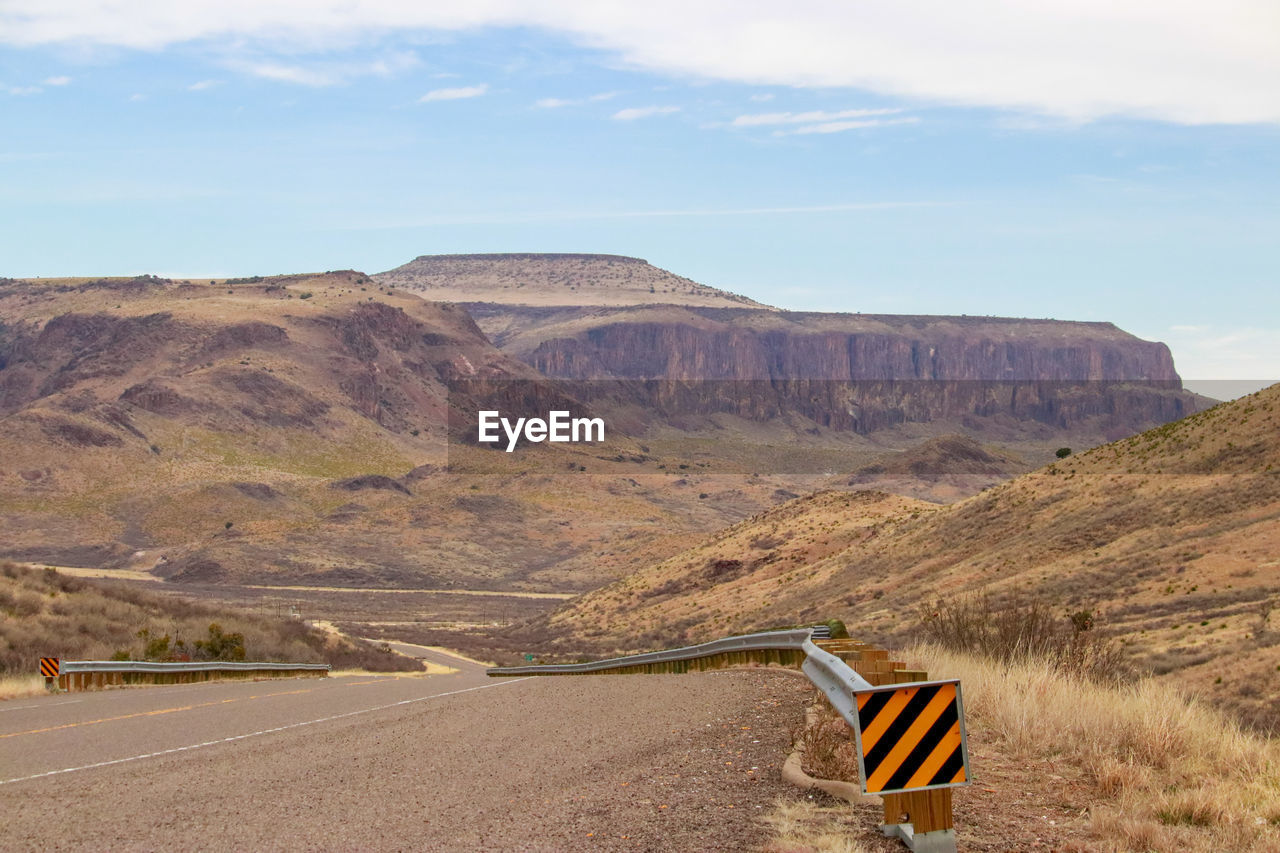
[(18, 686), (1169, 772), (806, 826)]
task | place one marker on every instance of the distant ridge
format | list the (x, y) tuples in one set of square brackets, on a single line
[(554, 279)]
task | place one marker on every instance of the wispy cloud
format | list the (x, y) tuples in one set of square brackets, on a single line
[(288, 73), (570, 215), (1147, 60), (763, 96), (454, 94), (21, 91), (60, 80), (1213, 352), (318, 74), (554, 103), (201, 85), (633, 113), (842, 126), (759, 119)]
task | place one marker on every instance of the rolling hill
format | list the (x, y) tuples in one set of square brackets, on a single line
[(1171, 538)]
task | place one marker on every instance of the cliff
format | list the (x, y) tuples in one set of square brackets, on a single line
[(852, 372)]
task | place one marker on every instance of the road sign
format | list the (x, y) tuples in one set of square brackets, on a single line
[(49, 667), (911, 737), (528, 657)]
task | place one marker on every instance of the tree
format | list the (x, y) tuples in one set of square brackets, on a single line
[(1064, 452)]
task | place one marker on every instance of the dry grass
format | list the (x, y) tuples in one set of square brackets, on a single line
[(46, 613), (810, 826), (18, 686), (1143, 766), (1169, 772)]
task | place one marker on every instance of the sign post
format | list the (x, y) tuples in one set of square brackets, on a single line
[(49, 669)]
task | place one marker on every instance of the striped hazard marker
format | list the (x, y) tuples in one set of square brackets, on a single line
[(911, 737), (49, 667)]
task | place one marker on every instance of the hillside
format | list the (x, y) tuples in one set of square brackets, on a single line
[(1169, 537), (293, 430), (51, 614), (941, 469), (544, 279)]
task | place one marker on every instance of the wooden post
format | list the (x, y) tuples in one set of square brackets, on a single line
[(926, 811)]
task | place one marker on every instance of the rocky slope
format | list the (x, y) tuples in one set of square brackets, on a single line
[(293, 431), (1171, 537)]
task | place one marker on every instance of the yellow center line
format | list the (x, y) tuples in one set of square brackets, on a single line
[(154, 713)]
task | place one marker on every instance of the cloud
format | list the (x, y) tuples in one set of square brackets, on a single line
[(1220, 353), (554, 103), (454, 94), (1156, 59), (807, 118), (60, 80), (21, 91), (203, 84), (318, 74), (766, 96), (842, 126), (633, 113), (508, 217)]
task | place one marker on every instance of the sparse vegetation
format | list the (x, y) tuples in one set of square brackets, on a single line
[(1023, 628), (48, 613), (1150, 768)]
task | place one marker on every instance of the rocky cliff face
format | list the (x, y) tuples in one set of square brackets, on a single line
[(851, 371)]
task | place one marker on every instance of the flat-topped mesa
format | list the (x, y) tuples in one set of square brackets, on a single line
[(553, 279)]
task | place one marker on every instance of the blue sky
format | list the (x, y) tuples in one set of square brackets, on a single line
[(1062, 165)]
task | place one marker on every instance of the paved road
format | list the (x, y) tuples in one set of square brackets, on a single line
[(446, 762)]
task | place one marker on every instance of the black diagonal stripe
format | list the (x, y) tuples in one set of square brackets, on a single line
[(950, 769), (924, 748), (898, 727), (874, 705)]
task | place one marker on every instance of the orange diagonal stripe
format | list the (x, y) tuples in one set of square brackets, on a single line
[(885, 718), (911, 737), (949, 744)]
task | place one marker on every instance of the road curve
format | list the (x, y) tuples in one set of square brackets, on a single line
[(446, 762)]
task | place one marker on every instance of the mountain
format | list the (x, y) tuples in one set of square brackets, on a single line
[(685, 350), (552, 279), (293, 430), (1170, 537)]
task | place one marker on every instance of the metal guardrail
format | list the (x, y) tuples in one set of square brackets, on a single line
[(769, 640), (96, 674), (849, 694), (70, 666)]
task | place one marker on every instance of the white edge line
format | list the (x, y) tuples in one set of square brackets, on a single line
[(42, 705), (234, 738)]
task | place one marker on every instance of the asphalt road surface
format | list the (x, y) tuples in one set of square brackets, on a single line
[(445, 762)]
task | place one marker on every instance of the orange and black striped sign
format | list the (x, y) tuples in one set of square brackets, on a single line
[(49, 667), (911, 737)]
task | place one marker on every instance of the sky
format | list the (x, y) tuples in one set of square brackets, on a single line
[(1074, 159)]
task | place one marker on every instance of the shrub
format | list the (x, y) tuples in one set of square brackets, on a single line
[(220, 646), (1017, 628)]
